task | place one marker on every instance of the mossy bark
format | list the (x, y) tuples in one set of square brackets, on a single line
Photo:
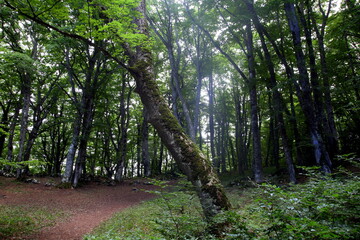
[(186, 154), (189, 158)]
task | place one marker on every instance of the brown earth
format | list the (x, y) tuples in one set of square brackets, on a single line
[(82, 209)]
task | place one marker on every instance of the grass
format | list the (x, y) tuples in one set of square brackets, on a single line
[(325, 207), (18, 221), (176, 215), (173, 215), (133, 223)]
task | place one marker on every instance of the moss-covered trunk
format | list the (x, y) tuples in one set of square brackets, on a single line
[(185, 152)]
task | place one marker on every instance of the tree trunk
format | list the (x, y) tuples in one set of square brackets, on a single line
[(66, 178), (138, 150), (304, 93), (257, 159), (122, 127), (168, 40), (199, 64), (277, 103), (211, 115), (332, 138), (84, 139), (4, 126), (240, 132), (186, 154), (26, 94), (10, 142), (145, 145)]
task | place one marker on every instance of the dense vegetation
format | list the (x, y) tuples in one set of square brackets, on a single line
[(322, 208), (109, 88)]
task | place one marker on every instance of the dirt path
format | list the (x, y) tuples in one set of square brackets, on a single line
[(85, 207)]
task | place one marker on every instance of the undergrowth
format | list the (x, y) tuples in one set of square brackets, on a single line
[(17, 222), (325, 207)]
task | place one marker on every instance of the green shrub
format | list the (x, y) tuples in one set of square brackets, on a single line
[(325, 207)]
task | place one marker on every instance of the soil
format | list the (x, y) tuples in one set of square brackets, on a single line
[(82, 209)]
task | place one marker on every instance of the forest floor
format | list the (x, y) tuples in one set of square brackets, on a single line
[(78, 210)]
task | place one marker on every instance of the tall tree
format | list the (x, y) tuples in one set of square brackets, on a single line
[(306, 100)]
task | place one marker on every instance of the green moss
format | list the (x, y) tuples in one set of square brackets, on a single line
[(169, 120)]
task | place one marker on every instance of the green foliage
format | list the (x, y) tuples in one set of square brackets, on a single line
[(181, 217), (236, 226), (324, 208), (175, 214), (2, 132), (33, 164), (21, 221), (11, 61)]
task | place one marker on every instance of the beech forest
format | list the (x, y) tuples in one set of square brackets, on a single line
[(233, 119)]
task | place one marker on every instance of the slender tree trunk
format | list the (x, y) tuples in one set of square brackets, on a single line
[(222, 146), (138, 150), (4, 127), (169, 40), (239, 132), (10, 142), (84, 139), (145, 145), (277, 103), (26, 94), (124, 122), (321, 154), (31, 140), (160, 162), (293, 121), (199, 77), (332, 137), (211, 116), (257, 159)]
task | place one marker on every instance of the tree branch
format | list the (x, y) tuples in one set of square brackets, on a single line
[(67, 34)]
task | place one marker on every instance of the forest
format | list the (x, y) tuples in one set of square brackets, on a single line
[(262, 96)]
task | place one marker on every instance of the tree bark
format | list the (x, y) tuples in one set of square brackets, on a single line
[(332, 138), (257, 159), (211, 114), (186, 154), (14, 121), (121, 146), (169, 40), (321, 154), (277, 103), (66, 178), (4, 125), (145, 145), (26, 94)]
